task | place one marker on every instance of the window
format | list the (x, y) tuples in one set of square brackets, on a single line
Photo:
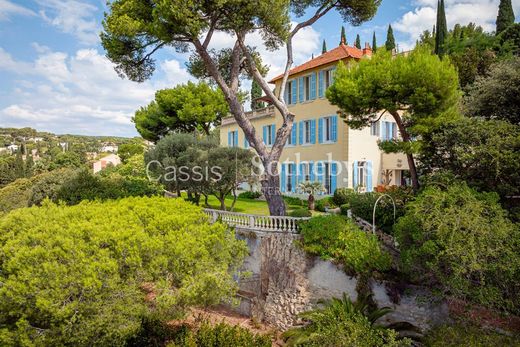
[(306, 172), (290, 92), (389, 131), (269, 140), (307, 88), (328, 179), (374, 128), (361, 168), (233, 138), (307, 131), (290, 175), (329, 77), (291, 141), (327, 134)]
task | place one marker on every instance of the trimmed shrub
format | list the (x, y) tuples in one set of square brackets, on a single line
[(342, 196), (294, 201), (461, 241), (344, 209), (301, 212), (80, 275), (468, 336), (323, 204), (249, 195), (338, 238)]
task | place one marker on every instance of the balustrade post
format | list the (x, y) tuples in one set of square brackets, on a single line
[(251, 222)]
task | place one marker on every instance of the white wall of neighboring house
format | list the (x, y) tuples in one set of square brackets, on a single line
[(111, 159)]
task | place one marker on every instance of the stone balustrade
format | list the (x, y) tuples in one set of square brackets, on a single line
[(268, 224)]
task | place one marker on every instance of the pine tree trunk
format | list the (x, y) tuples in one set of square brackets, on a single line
[(409, 156), (273, 196)]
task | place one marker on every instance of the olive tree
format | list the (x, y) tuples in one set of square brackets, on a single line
[(135, 29)]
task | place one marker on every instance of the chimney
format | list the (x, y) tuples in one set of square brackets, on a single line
[(367, 50)]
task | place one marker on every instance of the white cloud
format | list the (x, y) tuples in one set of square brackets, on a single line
[(423, 17), (79, 93), (72, 17), (8, 9)]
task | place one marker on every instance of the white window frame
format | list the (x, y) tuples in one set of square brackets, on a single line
[(307, 131), (362, 175), (269, 139), (289, 92), (328, 78), (288, 179), (327, 175), (327, 131), (306, 88), (306, 172), (375, 128), (233, 138)]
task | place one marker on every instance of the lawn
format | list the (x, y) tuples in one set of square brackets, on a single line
[(249, 206)]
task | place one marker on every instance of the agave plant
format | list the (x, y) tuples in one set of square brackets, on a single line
[(341, 322), (311, 188)]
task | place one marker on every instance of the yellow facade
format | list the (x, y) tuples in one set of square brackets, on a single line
[(352, 150)]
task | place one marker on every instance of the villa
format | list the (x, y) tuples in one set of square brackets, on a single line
[(321, 146)]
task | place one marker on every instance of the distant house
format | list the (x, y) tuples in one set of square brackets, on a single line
[(109, 160), (13, 148), (109, 147)]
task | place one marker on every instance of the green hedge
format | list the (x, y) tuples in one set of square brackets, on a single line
[(338, 238), (301, 212)]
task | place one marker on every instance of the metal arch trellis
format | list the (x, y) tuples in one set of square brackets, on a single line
[(374, 213)]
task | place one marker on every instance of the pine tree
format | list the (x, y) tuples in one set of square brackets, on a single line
[(256, 92), (358, 41), (442, 29), (29, 166), (390, 39), (343, 36), (374, 43), (19, 169), (506, 15), (324, 47)]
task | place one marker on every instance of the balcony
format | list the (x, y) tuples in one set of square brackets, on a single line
[(256, 114)]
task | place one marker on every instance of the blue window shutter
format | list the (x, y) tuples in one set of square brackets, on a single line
[(264, 130), (319, 172), (313, 86), (369, 176), (300, 88), (286, 94), (302, 125), (311, 171), (293, 178), (246, 143), (394, 131), (229, 138), (293, 134), (282, 179), (383, 130), (333, 177), (294, 91), (321, 83), (313, 131), (320, 130), (334, 120), (273, 133), (235, 143), (355, 175), (301, 177)]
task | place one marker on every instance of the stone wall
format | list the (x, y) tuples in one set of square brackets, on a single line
[(286, 281)]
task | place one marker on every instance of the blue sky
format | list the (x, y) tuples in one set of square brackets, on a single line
[(54, 76)]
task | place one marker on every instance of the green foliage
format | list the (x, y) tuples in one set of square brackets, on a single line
[(485, 154), (301, 212), (341, 323), (294, 201), (511, 37), (325, 203), (185, 108), (374, 43), (441, 34), (67, 159), (15, 195), (459, 335), (334, 237), (358, 42), (496, 95), (343, 37), (47, 185), (362, 205), (128, 150), (250, 195), (221, 335), (390, 39), (461, 240), (342, 196), (506, 16), (324, 47), (256, 92), (90, 264)]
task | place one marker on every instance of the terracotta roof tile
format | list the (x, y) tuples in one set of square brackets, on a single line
[(338, 53)]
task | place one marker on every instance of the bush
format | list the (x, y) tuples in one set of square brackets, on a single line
[(342, 323), (467, 336), (323, 204), (335, 237), (342, 196), (80, 275), (362, 206), (461, 240), (294, 201), (344, 209), (301, 212), (221, 335), (249, 195), (48, 184), (15, 195)]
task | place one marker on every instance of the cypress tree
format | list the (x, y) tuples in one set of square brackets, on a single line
[(442, 29), (324, 47), (256, 92), (343, 36), (390, 40), (506, 16), (374, 43), (358, 41)]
